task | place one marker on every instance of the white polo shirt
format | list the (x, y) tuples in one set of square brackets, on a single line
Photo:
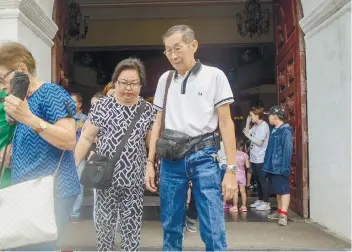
[(193, 99)]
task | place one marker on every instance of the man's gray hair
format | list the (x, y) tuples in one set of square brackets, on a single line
[(187, 32)]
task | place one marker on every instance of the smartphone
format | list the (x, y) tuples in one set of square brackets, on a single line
[(18, 87)]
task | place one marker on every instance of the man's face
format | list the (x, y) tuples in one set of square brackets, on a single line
[(77, 103), (179, 53)]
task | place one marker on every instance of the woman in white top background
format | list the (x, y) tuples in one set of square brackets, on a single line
[(259, 137)]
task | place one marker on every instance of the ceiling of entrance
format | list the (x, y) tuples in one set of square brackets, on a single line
[(134, 9)]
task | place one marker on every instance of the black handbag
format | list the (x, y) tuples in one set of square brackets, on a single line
[(99, 170)]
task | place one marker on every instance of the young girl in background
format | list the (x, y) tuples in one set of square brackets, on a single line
[(242, 163)]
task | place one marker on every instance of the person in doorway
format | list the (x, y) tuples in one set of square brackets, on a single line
[(198, 101), (109, 119), (259, 137), (80, 119), (242, 162), (191, 214), (96, 97), (109, 89), (45, 128), (277, 163)]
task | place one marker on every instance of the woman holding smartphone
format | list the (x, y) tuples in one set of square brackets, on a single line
[(259, 137), (45, 128)]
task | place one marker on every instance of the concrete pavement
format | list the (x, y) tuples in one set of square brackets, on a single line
[(298, 235)]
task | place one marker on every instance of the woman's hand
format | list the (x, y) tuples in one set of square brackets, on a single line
[(246, 132), (249, 119), (150, 177), (17, 109)]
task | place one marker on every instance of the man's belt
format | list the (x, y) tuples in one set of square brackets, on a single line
[(204, 144)]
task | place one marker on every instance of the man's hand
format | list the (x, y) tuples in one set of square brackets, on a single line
[(150, 178), (229, 184)]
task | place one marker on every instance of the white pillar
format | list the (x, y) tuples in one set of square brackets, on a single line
[(31, 24), (327, 28)]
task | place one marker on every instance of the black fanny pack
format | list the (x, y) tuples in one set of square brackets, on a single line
[(174, 145), (99, 170)]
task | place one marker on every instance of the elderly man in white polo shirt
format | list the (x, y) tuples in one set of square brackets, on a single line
[(198, 100)]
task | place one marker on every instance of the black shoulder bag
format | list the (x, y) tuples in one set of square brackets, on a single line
[(99, 170)]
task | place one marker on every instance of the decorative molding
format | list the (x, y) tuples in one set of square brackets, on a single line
[(30, 13), (324, 14), (157, 3)]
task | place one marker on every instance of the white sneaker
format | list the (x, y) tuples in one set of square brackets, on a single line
[(256, 203), (263, 207)]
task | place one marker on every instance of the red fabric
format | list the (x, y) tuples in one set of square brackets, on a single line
[(283, 212)]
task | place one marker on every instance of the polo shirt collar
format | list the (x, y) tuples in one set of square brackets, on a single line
[(195, 70)]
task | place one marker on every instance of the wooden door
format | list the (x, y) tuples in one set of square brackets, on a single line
[(59, 56), (291, 86)]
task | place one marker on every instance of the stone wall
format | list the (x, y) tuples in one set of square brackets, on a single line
[(30, 23), (327, 28)]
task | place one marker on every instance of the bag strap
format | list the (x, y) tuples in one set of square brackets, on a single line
[(2, 167), (79, 122), (128, 132), (59, 164), (168, 83)]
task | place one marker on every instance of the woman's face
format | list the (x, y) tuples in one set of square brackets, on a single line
[(5, 76), (128, 86), (254, 117)]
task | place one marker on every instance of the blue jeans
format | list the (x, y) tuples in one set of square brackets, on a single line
[(79, 200), (203, 170)]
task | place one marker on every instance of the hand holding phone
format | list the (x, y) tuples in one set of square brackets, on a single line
[(19, 86)]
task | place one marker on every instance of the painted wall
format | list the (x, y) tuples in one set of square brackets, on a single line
[(26, 22), (328, 48)]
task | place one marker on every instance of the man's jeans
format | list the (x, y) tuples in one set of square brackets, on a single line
[(79, 200), (203, 170)]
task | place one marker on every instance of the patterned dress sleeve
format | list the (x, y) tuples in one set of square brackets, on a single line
[(96, 114), (152, 117), (54, 104)]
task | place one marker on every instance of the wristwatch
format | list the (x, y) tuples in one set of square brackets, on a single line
[(232, 168), (42, 126)]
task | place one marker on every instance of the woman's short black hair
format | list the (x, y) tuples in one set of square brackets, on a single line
[(130, 63)]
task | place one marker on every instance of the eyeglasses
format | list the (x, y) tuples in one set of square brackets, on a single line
[(3, 77), (177, 50), (132, 85)]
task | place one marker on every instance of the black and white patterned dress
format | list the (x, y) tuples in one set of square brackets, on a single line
[(125, 196)]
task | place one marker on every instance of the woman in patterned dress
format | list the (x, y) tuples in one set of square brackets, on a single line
[(109, 119)]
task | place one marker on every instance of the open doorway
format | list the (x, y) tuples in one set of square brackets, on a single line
[(250, 70), (271, 67)]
